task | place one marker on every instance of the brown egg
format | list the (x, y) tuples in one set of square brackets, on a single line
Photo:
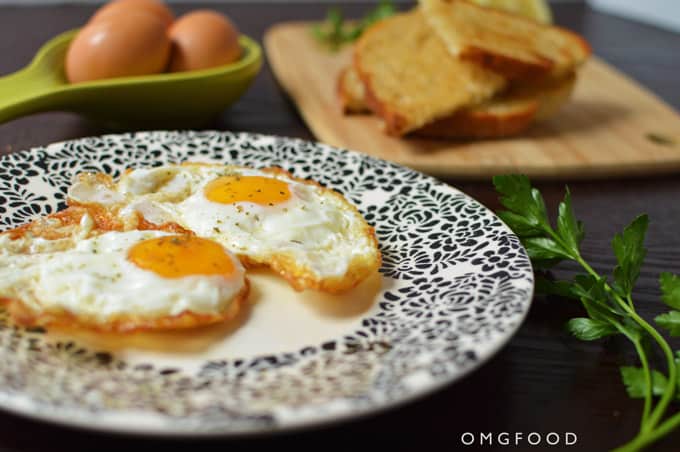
[(203, 39), (155, 7), (120, 45)]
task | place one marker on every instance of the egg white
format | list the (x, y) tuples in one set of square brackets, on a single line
[(93, 279), (317, 230)]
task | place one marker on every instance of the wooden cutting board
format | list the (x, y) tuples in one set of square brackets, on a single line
[(603, 131)]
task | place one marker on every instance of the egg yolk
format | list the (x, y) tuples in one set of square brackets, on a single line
[(177, 256), (266, 191)]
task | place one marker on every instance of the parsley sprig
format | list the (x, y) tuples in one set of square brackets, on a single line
[(607, 300), (335, 31)]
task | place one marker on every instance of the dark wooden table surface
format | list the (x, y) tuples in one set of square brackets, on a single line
[(543, 380)]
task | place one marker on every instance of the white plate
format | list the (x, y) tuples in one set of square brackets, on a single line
[(454, 287)]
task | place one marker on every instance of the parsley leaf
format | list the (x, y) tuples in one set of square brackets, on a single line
[(569, 229), (334, 31), (384, 9), (670, 321), (331, 30), (519, 224), (544, 248), (519, 197), (634, 380), (591, 287), (670, 289), (590, 290), (630, 252), (610, 307), (590, 329), (565, 289)]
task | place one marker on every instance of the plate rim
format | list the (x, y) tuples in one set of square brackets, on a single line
[(12, 403)]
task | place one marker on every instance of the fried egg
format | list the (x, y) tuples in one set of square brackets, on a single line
[(308, 234), (119, 280)]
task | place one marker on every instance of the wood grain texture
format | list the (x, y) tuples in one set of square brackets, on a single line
[(601, 132)]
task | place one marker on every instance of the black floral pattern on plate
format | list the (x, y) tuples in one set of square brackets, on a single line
[(461, 284)]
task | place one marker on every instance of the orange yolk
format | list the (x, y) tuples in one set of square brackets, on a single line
[(266, 191), (179, 255)]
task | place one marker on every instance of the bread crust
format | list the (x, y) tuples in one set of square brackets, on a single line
[(487, 32), (531, 101), (350, 93), (508, 67), (527, 105), (481, 123), (394, 123), (394, 85)]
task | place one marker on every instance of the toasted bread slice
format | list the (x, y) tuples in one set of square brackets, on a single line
[(511, 45), (493, 119), (410, 77), (351, 93), (552, 94), (506, 115)]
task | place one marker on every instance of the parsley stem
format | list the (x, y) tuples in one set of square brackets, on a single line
[(643, 440), (669, 392), (648, 383), (610, 306), (637, 443)]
